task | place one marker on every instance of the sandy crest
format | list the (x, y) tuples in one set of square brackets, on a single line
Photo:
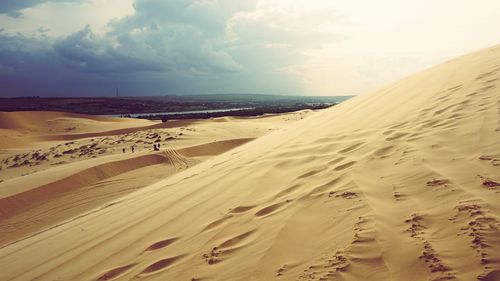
[(399, 184)]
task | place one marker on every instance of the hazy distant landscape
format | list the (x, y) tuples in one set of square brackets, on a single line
[(156, 106)]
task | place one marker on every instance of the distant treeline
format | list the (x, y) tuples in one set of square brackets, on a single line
[(237, 113), (161, 104)]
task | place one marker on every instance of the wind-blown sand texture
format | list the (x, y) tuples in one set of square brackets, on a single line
[(56, 166), (399, 184)]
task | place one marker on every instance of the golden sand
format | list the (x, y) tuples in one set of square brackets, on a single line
[(399, 184)]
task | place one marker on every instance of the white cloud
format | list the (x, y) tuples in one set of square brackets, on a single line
[(268, 46), (65, 17)]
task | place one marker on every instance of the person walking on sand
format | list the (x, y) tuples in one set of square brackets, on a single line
[(133, 149), (123, 150), (158, 146)]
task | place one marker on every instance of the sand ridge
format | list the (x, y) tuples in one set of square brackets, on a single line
[(54, 177), (398, 184)]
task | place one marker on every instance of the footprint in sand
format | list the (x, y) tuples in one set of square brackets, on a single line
[(269, 209), (482, 228), (161, 244), (416, 226), (113, 273), (491, 183), (326, 268), (437, 182), (346, 194), (429, 256), (241, 209), (398, 195), (282, 270), (435, 264), (218, 253), (161, 264), (491, 276)]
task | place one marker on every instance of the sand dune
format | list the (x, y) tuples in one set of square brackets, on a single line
[(24, 128), (46, 180), (128, 130), (28, 205), (25, 119), (10, 203), (49, 122), (399, 184), (212, 148)]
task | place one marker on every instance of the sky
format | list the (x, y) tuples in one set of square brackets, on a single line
[(299, 47)]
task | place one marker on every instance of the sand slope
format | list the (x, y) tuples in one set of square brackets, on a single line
[(399, 184), (26, 127), (47, 180), (38, 120)]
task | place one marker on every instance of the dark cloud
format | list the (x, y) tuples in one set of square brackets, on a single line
[(13, 7), (189, 34), (83, 51), (174, 46), (80, 64)]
